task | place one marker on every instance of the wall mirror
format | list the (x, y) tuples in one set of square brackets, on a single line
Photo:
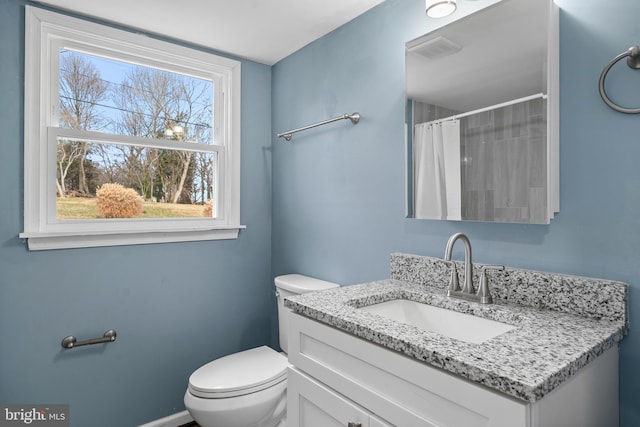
[(482, 116)]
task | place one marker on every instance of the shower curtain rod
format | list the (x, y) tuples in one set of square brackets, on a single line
[(491, 107), (354, 117)]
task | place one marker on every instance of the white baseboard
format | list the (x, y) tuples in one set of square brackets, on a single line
[(174, 420)]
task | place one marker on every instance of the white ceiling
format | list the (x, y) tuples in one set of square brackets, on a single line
[(262, 30), (502, 56)]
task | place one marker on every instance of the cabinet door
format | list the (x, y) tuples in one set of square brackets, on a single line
[(311, 404)]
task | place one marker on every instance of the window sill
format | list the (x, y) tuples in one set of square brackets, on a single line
[(38, 241)]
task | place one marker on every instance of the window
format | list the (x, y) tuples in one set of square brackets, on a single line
[(128, 139)]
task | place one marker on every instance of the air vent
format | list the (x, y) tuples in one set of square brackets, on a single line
[(434, 48)]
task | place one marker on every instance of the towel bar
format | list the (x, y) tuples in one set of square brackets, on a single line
[(72, 342), (354, 117)]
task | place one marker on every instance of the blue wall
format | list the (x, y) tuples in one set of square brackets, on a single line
[(175, 306), (334, 209), (338, 202)]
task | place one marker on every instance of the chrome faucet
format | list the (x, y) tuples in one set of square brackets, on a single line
[(467, 288), (468, 291)]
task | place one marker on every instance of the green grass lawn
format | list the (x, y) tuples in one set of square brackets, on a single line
[(85, 208)]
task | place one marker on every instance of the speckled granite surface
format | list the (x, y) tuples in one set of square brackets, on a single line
[(596, 298), (545, 349)]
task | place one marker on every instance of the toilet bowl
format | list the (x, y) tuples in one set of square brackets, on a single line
[(248, 388), (243, 389)]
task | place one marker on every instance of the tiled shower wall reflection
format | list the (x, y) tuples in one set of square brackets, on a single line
[(503, 161)]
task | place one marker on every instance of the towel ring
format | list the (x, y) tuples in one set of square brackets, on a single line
[(633, 61)]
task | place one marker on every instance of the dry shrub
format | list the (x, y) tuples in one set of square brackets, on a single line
[(115, 201), (208, 208)]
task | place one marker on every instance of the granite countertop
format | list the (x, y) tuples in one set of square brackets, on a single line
[(545, 349)]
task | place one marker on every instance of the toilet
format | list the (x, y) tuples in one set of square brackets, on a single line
[(249, 388)]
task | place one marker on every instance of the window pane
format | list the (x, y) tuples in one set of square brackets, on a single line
[(97, 181), (122, 98)]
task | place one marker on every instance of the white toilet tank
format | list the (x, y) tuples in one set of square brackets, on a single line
[(294, 284)]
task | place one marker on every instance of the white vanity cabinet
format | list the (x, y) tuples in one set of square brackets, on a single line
[(338, 379)]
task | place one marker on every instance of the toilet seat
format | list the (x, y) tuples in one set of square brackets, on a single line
[(239, 374)]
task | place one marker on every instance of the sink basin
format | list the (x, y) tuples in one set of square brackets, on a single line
[(460, 326)]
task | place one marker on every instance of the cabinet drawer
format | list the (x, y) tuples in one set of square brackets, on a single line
[(399, 389), (311, 404)]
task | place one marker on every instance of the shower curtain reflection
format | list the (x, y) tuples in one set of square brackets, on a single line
[(437, 182)]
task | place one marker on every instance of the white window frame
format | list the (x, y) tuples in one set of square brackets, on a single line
[(45, 33)]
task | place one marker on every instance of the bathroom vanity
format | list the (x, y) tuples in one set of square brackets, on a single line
[(556, 365)]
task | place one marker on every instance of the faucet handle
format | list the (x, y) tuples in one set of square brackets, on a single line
[(491, 267), (483, 288), (454, 283)]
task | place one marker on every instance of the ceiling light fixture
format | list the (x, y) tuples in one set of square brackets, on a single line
[(440, 8)]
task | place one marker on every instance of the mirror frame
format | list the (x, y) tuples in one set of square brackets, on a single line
[(552, 105)]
